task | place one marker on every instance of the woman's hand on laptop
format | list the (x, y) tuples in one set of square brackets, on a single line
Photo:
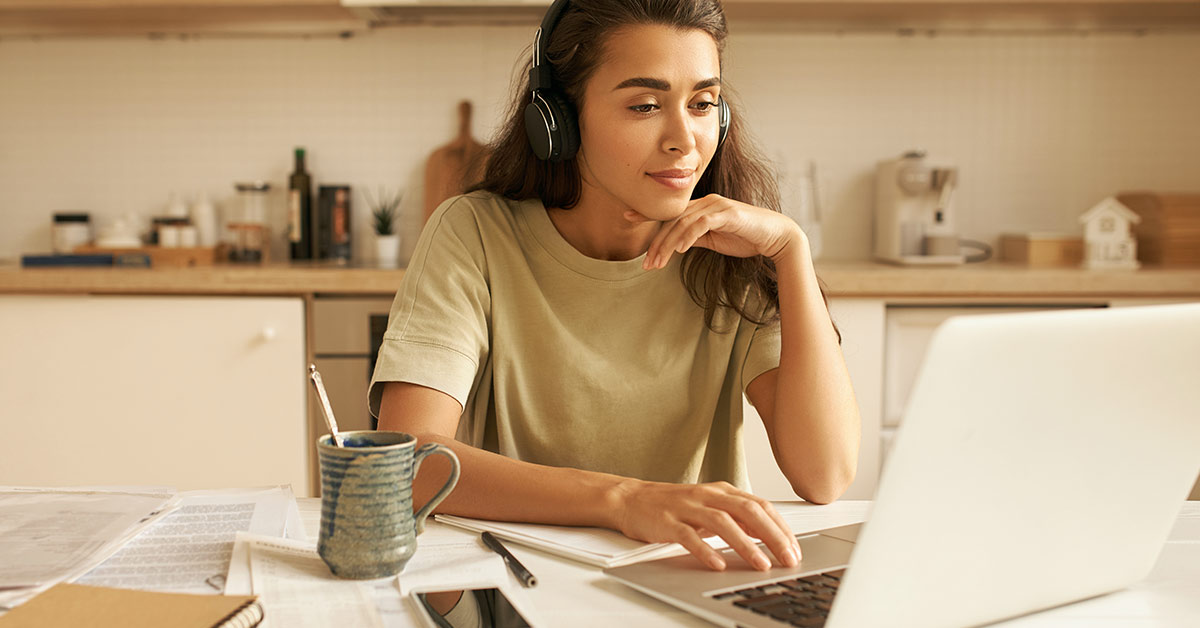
[(658, 512)]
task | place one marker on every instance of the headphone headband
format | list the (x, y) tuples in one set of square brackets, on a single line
[(550, 119), (540, 75)]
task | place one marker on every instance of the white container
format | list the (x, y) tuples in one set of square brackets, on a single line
[(169, 236), (204, 217), (189, 236)]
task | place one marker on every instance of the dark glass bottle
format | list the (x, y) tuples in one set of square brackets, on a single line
[(299, 232)]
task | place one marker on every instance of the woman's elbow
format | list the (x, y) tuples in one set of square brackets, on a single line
[(826, 489)]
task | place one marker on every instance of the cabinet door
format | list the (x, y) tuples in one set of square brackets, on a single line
[(190, 392)]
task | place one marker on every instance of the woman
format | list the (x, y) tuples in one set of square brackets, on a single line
[(586, 328)]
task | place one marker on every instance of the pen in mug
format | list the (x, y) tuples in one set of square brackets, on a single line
[(515, 565)]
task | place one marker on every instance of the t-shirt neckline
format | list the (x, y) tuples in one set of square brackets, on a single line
[(534, 213)]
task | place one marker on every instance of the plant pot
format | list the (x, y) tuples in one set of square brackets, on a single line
[(387, 250)]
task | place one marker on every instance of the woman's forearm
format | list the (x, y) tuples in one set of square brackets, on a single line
[(492, 486), (816, 426)]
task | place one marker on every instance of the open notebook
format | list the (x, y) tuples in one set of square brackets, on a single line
[(607, 548), (594, 546)]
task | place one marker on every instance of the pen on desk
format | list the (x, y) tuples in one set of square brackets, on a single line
[(515, 565)]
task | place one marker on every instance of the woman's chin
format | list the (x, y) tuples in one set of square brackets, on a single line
[(665, 210)]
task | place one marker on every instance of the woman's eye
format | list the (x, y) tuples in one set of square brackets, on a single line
[(647, 108), (705, 105)]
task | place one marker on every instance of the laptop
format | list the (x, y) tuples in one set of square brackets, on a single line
[(1042, 459)]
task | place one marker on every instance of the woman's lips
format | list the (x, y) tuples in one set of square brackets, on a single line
[(674, 179)]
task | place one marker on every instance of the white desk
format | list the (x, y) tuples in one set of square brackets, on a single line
[(573, 594)]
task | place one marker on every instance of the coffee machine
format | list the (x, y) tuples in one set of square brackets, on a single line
[(914, 218)]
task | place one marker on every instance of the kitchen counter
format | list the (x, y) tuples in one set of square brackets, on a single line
[(842, 279)]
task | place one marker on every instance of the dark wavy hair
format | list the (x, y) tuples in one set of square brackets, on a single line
[(737, 170)]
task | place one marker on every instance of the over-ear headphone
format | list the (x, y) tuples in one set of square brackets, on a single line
[(550, 120)]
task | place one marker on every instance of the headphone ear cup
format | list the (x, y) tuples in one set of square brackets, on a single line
[(551, 126), (723, 119), (567, 137), (537, 127)]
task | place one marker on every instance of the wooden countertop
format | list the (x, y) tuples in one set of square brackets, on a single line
[(842, 279), (221, 279)]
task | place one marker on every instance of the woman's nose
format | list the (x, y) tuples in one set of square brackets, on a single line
[(680, 133)]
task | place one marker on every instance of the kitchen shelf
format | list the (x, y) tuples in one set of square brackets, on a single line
[(101, 18), (329, 17), (969, 15)]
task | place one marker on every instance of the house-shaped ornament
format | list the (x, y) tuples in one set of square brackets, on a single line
[(1108, 239)]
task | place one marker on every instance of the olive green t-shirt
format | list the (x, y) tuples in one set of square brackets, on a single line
[(566, 360)]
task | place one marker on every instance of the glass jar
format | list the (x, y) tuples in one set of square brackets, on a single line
[(250, 240)]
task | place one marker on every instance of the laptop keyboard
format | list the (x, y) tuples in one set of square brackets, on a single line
[(801, 602)]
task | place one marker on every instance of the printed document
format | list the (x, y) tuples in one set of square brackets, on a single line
[(189, 550), (298, 590)]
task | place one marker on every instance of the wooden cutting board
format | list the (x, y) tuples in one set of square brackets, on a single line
[(453, 167)]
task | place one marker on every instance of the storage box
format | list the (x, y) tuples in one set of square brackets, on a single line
[(1041, 250), (1169, 233)]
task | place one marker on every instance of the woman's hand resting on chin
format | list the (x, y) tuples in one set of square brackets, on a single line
[(724, 225)]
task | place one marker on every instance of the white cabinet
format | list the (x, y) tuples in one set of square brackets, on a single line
[(190, 392)]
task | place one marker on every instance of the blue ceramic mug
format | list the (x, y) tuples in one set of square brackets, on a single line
[(368, 528)]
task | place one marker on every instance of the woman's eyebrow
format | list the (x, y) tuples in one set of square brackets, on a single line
[(661, 85)]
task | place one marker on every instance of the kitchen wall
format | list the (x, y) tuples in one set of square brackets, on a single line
[(1041, 125)]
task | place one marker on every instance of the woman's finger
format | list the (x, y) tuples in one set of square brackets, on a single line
[(769, 508), (692, 233), (687, 536), (659, 252), (685, 231), (774, 534), (724, 525)]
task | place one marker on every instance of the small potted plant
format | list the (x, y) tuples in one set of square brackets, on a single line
[(387, 241)]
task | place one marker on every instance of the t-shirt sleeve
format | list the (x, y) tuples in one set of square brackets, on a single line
[(437, 333), (765, 342), (763, 354)]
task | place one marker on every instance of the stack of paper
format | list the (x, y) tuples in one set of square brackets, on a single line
[(52, 535), (155, 540)]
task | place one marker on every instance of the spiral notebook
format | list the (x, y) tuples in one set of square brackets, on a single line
[(70, 605)]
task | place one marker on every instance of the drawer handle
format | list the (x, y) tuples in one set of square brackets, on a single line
[(268, 334)]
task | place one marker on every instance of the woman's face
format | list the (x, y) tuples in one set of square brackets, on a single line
[(648, 120)]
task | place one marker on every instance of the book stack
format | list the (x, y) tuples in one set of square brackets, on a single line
[(1169, 233)]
